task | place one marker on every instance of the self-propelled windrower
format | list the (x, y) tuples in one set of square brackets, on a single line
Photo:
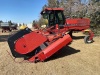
[(40, 44)]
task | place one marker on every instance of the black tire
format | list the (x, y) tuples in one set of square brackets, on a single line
[(86, 39)]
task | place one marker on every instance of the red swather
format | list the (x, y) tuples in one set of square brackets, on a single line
[(40, 44)]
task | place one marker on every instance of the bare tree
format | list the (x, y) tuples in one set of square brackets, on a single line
[(52, 3)]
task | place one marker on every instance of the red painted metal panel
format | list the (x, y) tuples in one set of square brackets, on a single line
[(57, 45), (53, 48), (78, 24), (54, 9), (78, 21), (29, 42), (40, 56)]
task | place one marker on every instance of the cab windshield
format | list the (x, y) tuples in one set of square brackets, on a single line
[(45, 16), (54, 17)]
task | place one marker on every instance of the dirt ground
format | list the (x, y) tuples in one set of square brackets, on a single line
[(76, 59)]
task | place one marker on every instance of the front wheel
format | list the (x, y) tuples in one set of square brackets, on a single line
[(87, 40)]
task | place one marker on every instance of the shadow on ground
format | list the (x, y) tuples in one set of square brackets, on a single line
[(63, 52), (78, 37)]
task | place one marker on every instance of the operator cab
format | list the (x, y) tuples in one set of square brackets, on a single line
[(54, 16)]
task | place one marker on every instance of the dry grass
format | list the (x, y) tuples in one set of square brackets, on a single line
[(76, 59)]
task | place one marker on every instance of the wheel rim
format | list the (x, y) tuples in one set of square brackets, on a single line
[(89, 41)]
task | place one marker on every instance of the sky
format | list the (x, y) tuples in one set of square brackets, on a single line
[(21, 11)]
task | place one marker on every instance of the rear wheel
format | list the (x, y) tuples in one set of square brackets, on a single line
[(87, 40)]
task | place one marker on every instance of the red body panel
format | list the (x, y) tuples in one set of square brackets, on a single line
[(29, 42), (57, 45), (54, 9), (78, 24), (53, 48)]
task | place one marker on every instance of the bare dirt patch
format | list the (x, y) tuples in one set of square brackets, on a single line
[(76, 59)]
